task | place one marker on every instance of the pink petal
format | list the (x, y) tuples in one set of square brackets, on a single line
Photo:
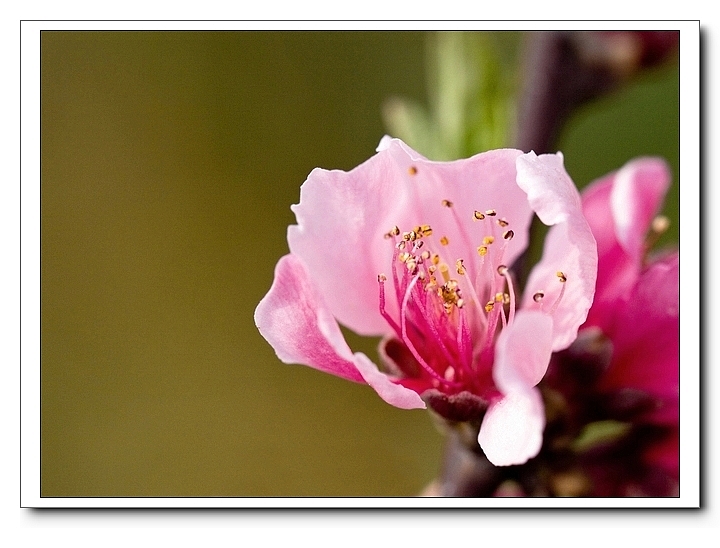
[(522, 351), (638, 191), (645, 337), (295, 321), (569, 246), (342, 218), (512, 430), (631, 197), (617, 271), (392, 393)]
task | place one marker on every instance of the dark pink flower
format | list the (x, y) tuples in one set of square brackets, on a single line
[(636, 300), (418, 252), (622, 372)]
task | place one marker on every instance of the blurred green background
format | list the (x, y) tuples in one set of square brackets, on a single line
[(169, 162)]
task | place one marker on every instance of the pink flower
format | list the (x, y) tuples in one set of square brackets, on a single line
[(622, 371), (417, 252), (637, 300)]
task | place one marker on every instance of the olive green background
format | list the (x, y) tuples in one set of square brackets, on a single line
[(169, 162)]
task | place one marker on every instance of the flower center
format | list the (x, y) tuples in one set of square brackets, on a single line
[(450, 315)]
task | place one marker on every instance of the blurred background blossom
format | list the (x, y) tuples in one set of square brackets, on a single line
[(169, 162)]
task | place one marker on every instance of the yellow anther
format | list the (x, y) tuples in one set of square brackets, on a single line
[(660, 224), (403, 257), (447, 203), (561, 276), (412, 170), (410, 236), (450, 295), (478, 216), (498, 297), (487, 240), (502, 222), (489, 306), (444, 240), (394, 231), (460, 267), (482, 250), (436, 259), (425, 230)]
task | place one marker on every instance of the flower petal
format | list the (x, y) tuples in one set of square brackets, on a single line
[(637, 193), (617, 271), (392, 393), (631, 196), (645, 337), (512, 429), (342, 219), (295, 321), (522, 351), (569, 249)]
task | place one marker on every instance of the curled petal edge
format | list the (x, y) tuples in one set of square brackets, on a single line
[(294, 319), (570, 251), (638, 190)]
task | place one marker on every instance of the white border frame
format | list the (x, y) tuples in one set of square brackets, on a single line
[(30, 268)]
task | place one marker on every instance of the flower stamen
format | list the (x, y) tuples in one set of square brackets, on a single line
[(503, 271), (408, 343), (562, 279), (381, 282), (658, 227), (437, 305)]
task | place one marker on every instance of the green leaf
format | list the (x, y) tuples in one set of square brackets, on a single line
[(600, 433), (472, 80)]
